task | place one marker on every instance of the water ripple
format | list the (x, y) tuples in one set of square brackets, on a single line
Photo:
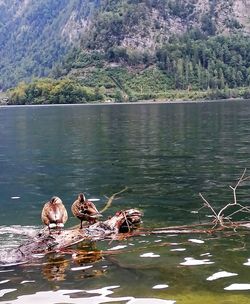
[(221, 274), (76, 297)]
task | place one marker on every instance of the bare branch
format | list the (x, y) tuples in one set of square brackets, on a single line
[(245, 209), (111, 198), (240, 179), (208, 204), (220, 216)]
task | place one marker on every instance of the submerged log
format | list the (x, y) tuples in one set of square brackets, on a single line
[(45, 242)]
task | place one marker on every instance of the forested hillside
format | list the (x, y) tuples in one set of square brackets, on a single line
[(147, 24), (217, 67), (124, 49), (35, 34)]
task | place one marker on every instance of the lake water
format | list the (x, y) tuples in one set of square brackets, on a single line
[(165, 154)]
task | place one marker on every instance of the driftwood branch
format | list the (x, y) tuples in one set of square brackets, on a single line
[(220, 218), (112, 198)]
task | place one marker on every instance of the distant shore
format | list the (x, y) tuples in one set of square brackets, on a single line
[(141, 102)]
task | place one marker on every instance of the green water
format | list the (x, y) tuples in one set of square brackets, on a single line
[(165, 154)]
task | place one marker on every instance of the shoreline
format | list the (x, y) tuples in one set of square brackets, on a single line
[(141, 102)]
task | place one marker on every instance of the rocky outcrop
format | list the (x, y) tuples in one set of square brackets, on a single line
[(146, 26)]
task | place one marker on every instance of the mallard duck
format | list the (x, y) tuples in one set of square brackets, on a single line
[(85, 210), (54, 214)]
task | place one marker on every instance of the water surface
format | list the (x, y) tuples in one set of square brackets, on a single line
[(165, 154)]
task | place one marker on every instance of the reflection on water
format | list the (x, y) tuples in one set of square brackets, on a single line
[(144, 268), (81, 297), (166, 155), (54, 269)]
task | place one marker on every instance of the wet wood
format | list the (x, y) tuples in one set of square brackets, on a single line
[(45, 242)]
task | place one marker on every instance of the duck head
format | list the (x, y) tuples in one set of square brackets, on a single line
[(55, 200), (81, 197)]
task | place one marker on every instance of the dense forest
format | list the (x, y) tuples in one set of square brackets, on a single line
[(185, 67), (129, 50), (29, 44)]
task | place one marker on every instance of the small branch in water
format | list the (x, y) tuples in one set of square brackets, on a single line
[(111, 198), (207, 204), (220, 216)]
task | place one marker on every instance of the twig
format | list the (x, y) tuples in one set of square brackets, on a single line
[(207, 204), (241, 179), (219, 216), (243, 209), (129, 228), (111, 198)]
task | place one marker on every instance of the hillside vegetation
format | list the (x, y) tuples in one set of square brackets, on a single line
[(184, 68), (34, 35), (126, 50)]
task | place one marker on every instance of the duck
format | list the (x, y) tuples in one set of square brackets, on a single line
[(85, 210), (54, 213)]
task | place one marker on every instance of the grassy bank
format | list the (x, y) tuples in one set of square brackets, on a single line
[(115, 87)]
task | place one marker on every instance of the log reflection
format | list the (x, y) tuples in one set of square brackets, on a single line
[(54, 269)]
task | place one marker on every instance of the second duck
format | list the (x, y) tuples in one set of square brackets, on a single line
[(85, 210)]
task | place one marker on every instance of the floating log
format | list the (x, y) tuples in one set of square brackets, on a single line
[(45, 242)]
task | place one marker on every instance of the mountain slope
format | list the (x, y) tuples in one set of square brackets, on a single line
[(35, 35), (148, 24)]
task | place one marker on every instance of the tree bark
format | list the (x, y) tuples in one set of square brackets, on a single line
[(45, 242)]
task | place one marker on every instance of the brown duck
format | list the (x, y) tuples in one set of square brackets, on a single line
[(54, 214), (85, 210)]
